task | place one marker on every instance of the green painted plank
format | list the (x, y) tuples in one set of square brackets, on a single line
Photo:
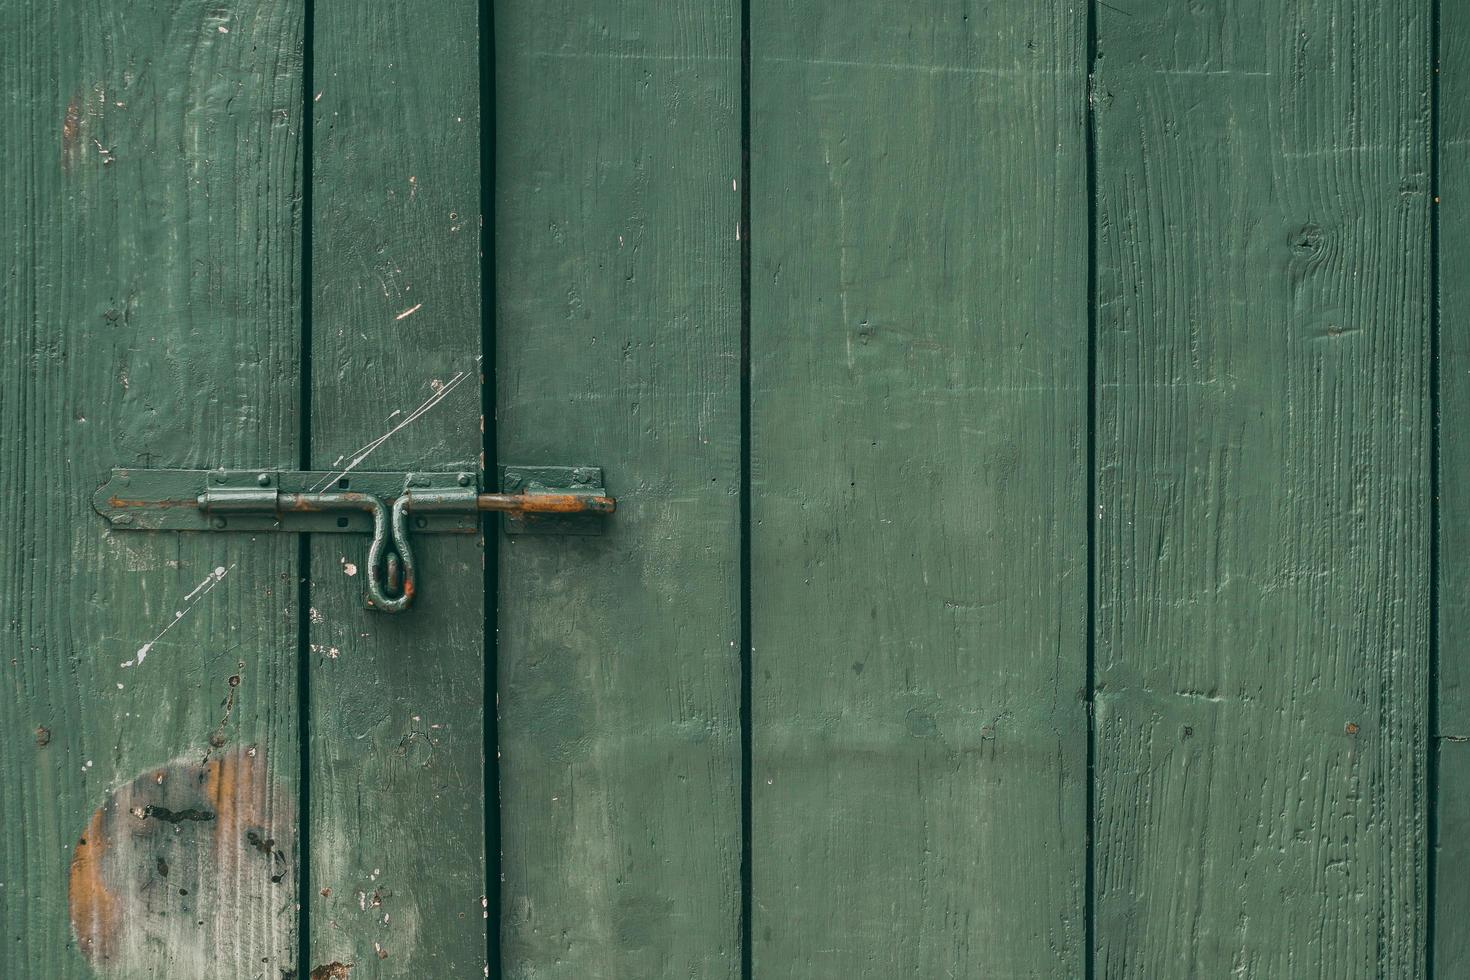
[(149, 306), (1451, 896), (918, 414), (397, 701), (1451, 951), (617, 321), (1263, 494), (1454, 368)]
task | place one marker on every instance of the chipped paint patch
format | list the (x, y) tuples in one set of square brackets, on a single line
[(71, 127), (188, 867)]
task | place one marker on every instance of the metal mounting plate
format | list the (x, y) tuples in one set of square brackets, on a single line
[(552, 479), (168, 500)]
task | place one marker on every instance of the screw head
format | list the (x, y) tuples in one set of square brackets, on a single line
[(219, 523), (463, 479), (264, 479)]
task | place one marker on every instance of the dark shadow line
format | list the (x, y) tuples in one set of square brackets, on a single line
[(747, 953), (1089, 928), (1431, 775), (490, 475), (303, 542)]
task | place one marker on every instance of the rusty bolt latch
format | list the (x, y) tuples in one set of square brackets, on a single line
[(545, 500)]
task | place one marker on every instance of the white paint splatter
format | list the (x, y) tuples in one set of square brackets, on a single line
[(410, 311), (348, 568), (200, 591)]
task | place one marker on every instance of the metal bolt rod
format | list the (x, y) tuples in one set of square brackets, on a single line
[(390, 551), (545, 503)]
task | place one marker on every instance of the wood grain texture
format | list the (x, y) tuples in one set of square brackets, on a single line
[(918, 416), (617, 320), (1263, 495), (1454, 368), (1451, 950), (397, 701), (1451, 898), (148, 316)]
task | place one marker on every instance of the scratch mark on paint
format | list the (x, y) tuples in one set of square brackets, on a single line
[(190, 601), (410, 311), (441, 391)]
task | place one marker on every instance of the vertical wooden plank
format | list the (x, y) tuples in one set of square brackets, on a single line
[(617, 319), (148, 317), (1451, 950), (1451, 897), (397, 701), (1263, 494), (918, 416)]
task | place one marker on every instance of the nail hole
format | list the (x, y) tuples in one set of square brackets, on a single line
[(343, 483)]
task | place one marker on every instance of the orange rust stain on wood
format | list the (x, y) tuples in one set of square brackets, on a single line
[(224, 828), (94, 909), (332, 971), (235, 785)]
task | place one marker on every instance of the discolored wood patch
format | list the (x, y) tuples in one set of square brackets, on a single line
[(189, 866)]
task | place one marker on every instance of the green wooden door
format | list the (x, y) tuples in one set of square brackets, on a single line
[(1034, 428)]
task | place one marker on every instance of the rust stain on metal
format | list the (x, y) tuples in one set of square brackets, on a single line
[(546, 503), (332, 971), (125, 503)]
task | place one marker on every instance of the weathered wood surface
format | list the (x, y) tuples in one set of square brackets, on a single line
[(617, 320), (1450, 953), (148, 316), (1263, 494), (918, 417), (397, 880), (1451, 898), (919, 457)]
